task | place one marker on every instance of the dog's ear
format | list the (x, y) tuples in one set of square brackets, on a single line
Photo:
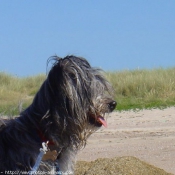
[(55, 76)]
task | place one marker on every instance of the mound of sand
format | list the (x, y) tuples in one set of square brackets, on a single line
[(117, 166)]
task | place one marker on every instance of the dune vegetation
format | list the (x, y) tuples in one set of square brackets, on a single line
[(133, 89), (138, 89), (17, 93)]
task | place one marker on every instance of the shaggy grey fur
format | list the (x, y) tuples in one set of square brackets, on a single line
[(65, 111)]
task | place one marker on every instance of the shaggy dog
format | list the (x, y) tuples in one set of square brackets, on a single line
[(70, 105)]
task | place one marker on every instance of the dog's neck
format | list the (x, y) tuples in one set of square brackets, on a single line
[(41, 103), (35, 113), (44, 139)]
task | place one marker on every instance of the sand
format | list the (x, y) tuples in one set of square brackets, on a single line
[(148, 135)]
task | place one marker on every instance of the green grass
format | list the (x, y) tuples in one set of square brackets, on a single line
[(15, 91), (136, 89), (140, 89)]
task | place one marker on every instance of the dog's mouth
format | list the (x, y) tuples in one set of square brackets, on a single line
[(96, 118), (98, 121)]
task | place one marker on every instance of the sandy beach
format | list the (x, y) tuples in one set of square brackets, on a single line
[(146, 134)]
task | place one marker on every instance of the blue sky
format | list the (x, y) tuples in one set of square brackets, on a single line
[(110, 34)]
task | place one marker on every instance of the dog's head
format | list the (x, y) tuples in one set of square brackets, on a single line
[(79, 96)]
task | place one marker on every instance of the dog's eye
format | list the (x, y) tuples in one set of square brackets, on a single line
[(72, 76)]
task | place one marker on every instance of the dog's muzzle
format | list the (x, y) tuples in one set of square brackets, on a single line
[(99, 120)]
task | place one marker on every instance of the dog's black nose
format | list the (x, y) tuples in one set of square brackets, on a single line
[(112, 105)]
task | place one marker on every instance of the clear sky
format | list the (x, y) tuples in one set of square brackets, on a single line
[(111, 34)]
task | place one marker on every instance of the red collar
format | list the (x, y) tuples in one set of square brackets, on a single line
[(44, 139)]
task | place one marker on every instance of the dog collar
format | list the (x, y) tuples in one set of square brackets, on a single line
[(44, 139)]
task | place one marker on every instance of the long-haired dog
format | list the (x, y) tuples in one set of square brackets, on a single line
[(70, 105)]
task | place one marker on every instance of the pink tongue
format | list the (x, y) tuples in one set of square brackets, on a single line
[(102, 120)]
